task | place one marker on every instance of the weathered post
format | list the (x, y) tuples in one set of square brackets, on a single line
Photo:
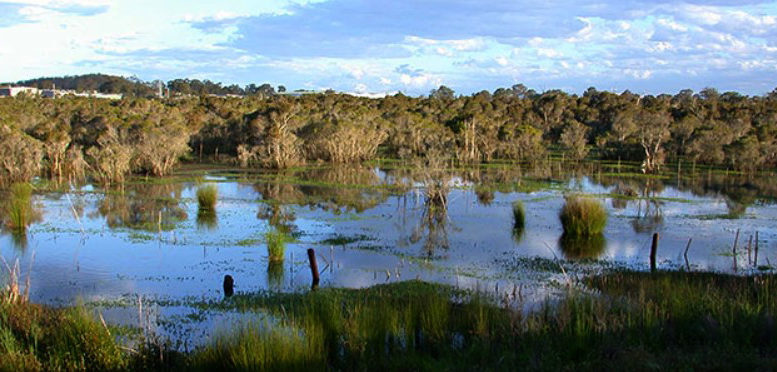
[(687, 264), (755, 259), (734, 250), (313, 267), (653, 249), (229, 286)]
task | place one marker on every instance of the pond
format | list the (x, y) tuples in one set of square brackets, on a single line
[(145, 254)]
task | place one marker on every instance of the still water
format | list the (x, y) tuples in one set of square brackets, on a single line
[(146, 246)]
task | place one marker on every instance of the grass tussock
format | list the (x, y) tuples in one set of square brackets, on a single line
[(34, 338), (519, 215), (582, 216), (20, 211), (207, 196), (276, 245)]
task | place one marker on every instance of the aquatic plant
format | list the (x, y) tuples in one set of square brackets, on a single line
[(207, 197), (582, 216), (519, 215), (276, 245), (20, 211)]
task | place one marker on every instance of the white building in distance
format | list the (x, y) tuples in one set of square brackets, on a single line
[(15, 91)]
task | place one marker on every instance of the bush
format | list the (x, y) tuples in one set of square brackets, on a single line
[(583, 217)]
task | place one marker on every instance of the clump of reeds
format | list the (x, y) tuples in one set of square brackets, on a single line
[(583, 216), (20, 212), (263, 347), (207, 197), (519, 215), (276, 245)]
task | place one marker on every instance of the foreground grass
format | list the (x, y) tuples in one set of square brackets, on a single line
[(670, 320)]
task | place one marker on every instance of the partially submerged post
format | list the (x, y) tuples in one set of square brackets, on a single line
[(687, 264), (313, 267), (755, 259), (229, 286), (653, 249), (734, 250)]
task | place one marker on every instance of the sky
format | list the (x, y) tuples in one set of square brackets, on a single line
[(412, 46)]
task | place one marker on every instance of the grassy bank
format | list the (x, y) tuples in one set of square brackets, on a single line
[(668, 320)]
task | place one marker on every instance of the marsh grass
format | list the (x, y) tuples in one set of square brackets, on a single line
[(20, 212), (519, 215), (33, 337), (207, 196), (276, 245), (671, 319), (675, 320), (582, 216)]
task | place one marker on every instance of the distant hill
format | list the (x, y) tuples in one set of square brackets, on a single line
[(135, 87), (94, 82)]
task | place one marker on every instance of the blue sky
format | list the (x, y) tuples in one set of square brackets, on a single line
[(411, 46)]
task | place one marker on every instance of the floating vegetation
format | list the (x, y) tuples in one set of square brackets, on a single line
[(345, 240), (582, 216)]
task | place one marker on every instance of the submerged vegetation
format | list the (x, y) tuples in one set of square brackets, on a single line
[(582, 217), (676, 320)]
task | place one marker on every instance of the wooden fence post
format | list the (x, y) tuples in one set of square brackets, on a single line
[(313, 267), (653, 249)]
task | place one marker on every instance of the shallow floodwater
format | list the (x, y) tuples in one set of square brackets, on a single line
[(143, 254)]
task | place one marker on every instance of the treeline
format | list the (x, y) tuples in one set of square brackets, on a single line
[(76, 137), (133, 87)]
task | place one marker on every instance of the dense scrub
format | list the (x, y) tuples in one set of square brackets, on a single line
[(671, 320), (68, 138)]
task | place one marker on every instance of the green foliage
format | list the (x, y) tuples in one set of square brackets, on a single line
[(37, 338), (276, 244), (519, 215), (582, 217), (676, 320), (207, 196), (19, 209)]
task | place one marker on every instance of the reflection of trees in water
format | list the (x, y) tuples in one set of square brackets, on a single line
[(143, 206), (649, 216), (740, 191), (433, 226), (336, 189), (584, 247), (278, 216)]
